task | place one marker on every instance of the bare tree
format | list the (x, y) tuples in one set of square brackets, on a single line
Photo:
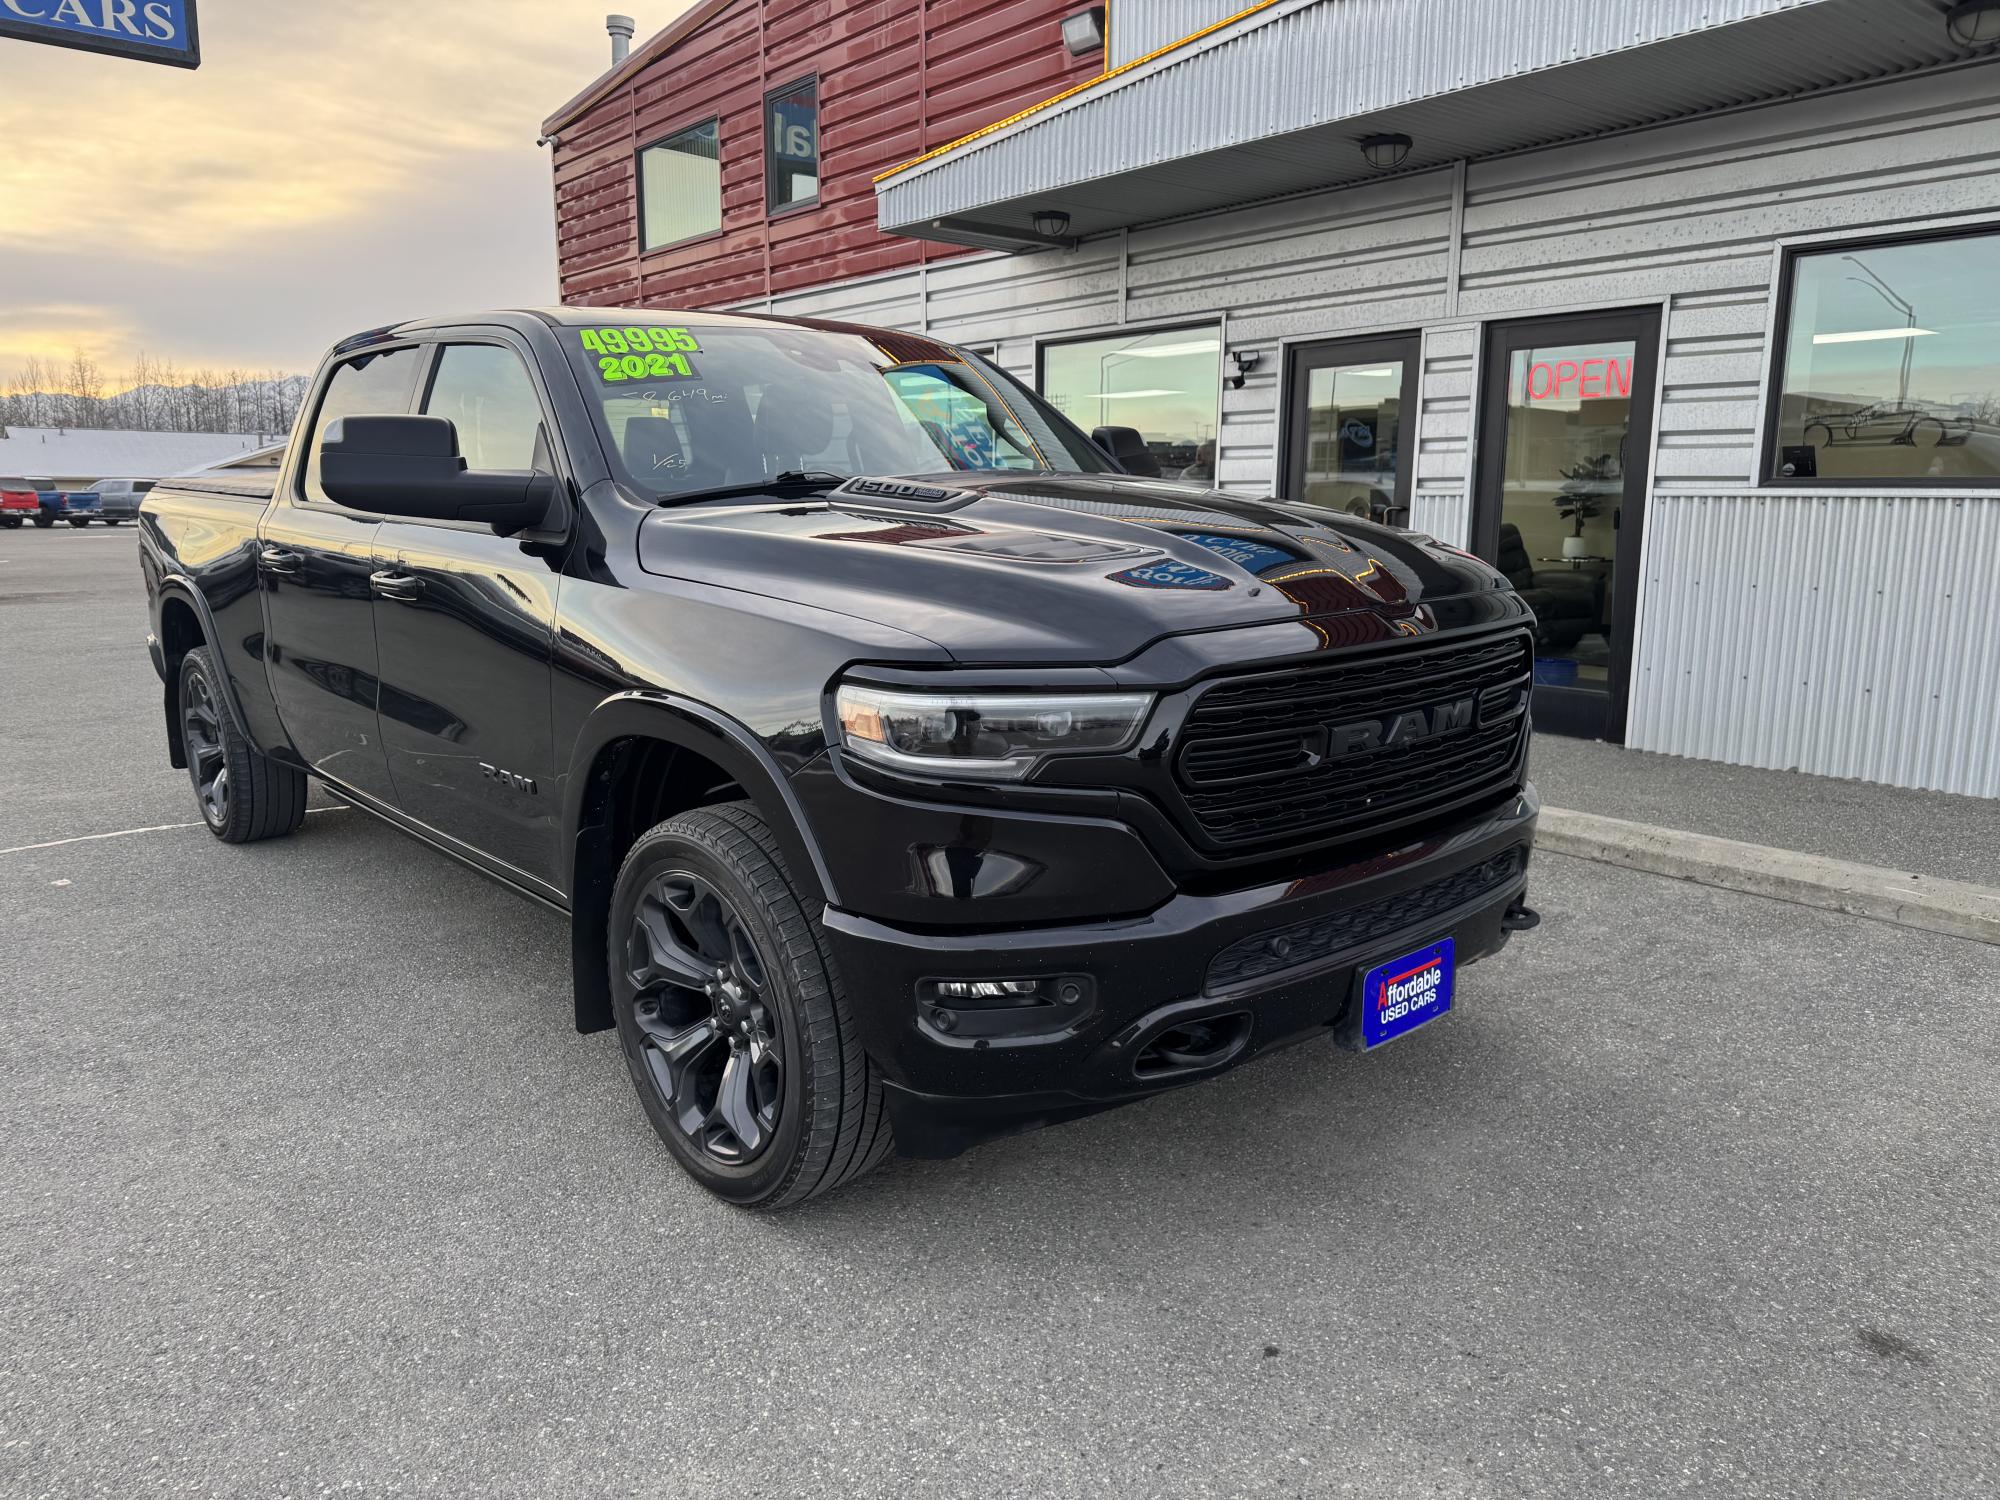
[(159, 397), (85, 389)]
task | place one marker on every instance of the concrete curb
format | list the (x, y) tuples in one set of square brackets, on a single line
[(1953, 907)]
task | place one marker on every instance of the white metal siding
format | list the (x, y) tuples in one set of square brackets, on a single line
[(1141, 27), (1488, 73), (1740, 588), (1851, 636)]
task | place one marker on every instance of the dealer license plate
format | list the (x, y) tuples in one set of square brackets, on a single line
[(1404, 993)]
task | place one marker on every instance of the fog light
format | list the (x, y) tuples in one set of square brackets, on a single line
[(976, 990), (1060, 990)]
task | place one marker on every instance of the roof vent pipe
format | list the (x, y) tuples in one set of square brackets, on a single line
[(621, 29)]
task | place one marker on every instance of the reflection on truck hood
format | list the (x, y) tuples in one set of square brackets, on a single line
[(1039, 567)]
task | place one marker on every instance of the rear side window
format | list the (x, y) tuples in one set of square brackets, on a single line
[(486, 393), (372, 385)]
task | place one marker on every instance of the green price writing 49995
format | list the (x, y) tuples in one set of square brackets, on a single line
[(641, 353)]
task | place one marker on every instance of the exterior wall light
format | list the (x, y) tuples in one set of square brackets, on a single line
[(1051, 223), (1970, 23), (1384, 151), (1083, 33)]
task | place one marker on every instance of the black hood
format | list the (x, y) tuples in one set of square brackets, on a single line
[(1029, 567)]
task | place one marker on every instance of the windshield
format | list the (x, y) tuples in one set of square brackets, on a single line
[(700, 407)]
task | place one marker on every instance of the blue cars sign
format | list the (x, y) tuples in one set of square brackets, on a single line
[(161, 31)]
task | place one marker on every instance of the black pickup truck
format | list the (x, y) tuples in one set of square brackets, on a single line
[(910, 772)]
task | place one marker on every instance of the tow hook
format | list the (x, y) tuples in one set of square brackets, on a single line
[(1520, 917)]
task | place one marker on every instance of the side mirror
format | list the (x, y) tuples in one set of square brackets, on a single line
[(1127, 449), (410, 466)]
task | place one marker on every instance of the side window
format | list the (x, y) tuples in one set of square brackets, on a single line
[(485, 391), (791, 146), (373, 385)]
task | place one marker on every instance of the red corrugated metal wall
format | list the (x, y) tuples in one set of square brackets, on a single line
[(896, 78)]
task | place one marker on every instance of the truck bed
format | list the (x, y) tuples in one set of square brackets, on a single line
[(254, 488)]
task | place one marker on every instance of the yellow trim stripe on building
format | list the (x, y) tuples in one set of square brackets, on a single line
[(1070, 93)]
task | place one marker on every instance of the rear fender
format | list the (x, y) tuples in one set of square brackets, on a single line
[(177, 590)]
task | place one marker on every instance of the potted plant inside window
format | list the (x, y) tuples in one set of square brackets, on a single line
[(1582, 496)]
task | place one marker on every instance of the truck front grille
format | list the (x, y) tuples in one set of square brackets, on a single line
[(1346, 747)]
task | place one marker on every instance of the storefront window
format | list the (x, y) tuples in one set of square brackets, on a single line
[(791, 146), (1892, 364), (1165, 384), (680, 186)]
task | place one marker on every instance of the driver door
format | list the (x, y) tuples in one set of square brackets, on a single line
[(464, 624)]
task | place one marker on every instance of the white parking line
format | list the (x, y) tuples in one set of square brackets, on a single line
[(126, 833)]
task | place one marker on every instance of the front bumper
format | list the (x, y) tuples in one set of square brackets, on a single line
[(1259, 968)]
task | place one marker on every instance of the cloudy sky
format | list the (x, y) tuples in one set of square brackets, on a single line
[(329, 167)]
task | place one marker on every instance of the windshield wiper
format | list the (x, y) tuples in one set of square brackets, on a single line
[(789, 479)]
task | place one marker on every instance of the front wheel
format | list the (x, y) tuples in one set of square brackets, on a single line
[(12, 523), (119, 522), (733, 1021), (45, 521), (243, 795)]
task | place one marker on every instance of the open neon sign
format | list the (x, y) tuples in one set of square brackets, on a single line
[(1587, 379)]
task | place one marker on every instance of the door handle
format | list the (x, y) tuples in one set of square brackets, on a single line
[(277, 560), (392, 584)]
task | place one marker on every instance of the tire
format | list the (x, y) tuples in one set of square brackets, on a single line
[(12, 523), (243, 796), (79, 522), (45, 521), (754, 1079), (119, 522)]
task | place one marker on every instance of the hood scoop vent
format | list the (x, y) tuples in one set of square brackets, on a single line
[(929, 498)]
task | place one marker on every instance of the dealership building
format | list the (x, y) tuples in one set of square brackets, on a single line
[(1685, 313)]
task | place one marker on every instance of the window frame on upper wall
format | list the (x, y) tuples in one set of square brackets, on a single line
[(639, 186), (773, 209), (1778, 347)]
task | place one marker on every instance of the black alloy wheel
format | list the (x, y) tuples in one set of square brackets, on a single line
[(710, 1040), (243, 795), (733, 1020), (207, 758)]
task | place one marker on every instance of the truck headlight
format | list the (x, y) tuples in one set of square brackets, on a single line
[(991, 736)]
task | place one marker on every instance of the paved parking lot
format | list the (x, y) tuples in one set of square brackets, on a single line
[(309, 1188)]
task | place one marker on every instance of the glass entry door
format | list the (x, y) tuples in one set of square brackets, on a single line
[(1563, 450), (1351, 424)]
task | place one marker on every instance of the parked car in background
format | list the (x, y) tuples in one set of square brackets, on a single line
[(48, 501), (118, 499), (80, 507), (18, 502)]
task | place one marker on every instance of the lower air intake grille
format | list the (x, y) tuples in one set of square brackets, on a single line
[(1306, 943)]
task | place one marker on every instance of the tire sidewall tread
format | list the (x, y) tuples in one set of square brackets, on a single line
[(843, 1125), (267, 799)]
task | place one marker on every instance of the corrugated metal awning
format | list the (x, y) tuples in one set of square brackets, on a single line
[(1273, 101)]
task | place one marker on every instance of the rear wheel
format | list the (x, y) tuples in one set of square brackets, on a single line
[(243, 796), (79, 522), (119, 522), (45, 521), (12, 523), (733, 1021)]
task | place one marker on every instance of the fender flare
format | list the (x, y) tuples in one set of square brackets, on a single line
[(652, 714), (179, 586)]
